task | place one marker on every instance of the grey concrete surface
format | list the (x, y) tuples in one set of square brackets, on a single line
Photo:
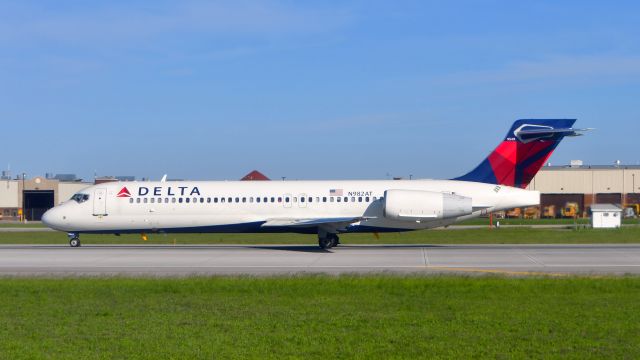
[(157, 260), (25, 229)]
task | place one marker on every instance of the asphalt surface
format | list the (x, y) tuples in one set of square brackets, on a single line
[(154, 260)]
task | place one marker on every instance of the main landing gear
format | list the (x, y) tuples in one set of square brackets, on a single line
[(74, 239), (327, 241)]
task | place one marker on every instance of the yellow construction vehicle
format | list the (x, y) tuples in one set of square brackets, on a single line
[(532, 212), (549, 212), (635, 208), (570, 210), (514, 213)]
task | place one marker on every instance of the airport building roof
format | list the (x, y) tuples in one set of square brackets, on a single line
[(604, 207), (591, 167)]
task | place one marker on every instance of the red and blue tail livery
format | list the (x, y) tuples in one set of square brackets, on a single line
[(526, 148)]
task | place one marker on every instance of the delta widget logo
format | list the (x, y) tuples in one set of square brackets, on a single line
[(124, 193)]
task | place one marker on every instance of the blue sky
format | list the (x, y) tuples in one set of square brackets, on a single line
[(306, 90)]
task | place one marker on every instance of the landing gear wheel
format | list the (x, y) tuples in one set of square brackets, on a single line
[(325, 243), (74, 242), (335, 240)]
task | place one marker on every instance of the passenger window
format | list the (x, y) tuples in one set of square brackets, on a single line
[(374, 198), (244, 199), (359, 198), (237, 199), (366, 199), (295, 199), (202, 200), (208, 200), (173, 200), (286, 199), (130, 200), (324, 199), (166, 200), (229, 200), (273, 199), (153, 200), (317, 199), (279, 199), (266, 199), (138, 200), (331, 199), (346, 199), (215, 200), (251, 199), (187, 200), (145, 200), (338, 199), (257, 199), (301, 199), (353, 199), (222, 200), (310, 199)]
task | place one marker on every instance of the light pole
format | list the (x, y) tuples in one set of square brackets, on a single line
[(24, 217)]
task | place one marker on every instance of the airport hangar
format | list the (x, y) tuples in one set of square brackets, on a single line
[(577, 183)]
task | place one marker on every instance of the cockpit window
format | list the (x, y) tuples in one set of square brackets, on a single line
[(80, 198)]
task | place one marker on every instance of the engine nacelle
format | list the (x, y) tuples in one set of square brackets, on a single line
[(414, 205)]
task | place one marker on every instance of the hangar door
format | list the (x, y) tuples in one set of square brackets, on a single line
[(608, 198), (36, 202), (560, 200)]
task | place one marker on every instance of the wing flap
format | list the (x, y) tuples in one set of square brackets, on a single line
[(341, 221)]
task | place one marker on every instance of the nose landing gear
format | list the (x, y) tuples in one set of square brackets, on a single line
[(74, 239)]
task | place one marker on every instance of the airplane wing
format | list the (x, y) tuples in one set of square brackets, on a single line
[(335, 223)]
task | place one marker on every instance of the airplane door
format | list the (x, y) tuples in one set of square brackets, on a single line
[(100, 202), (302, 201)]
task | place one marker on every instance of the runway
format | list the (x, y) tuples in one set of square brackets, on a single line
[(153, 260)]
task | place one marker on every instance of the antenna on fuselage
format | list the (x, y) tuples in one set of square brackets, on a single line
[(164, 178)]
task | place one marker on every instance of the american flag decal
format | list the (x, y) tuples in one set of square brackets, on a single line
[(335, 192)]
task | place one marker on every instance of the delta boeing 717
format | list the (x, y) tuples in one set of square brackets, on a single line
[(325, 208)]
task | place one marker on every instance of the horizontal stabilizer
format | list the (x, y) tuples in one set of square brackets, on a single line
[(528, 133)]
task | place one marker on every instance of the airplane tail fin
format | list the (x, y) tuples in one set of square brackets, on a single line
[(526, 148)]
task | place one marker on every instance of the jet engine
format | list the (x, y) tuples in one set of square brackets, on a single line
[(415, 205)]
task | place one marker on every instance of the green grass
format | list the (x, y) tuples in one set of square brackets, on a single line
[(320, 317), (467, 236)]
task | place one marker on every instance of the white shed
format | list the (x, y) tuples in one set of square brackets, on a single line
[(606, 216)]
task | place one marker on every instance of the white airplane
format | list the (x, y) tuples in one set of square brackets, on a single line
[(325, 208)]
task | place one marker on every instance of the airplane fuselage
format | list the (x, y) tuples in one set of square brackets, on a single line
[(265, 206)]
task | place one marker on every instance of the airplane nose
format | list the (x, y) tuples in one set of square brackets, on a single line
[(51, 218)]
